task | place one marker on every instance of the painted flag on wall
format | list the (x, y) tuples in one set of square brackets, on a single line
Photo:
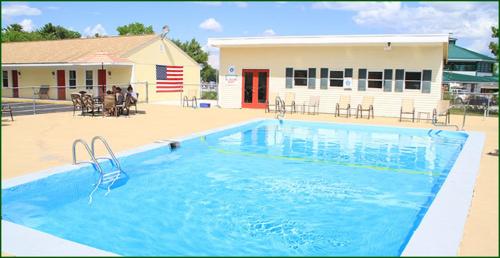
[(169, 78)]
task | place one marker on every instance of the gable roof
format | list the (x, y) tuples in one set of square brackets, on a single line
[(459, 53), (86, 50)]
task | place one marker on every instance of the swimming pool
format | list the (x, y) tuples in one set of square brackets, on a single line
[(263, 188)]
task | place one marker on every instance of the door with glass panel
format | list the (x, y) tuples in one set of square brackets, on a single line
[(255, 88)]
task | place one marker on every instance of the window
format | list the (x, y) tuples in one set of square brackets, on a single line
[(336, 78), (375, 80), (484, 67), (413, 80), (5, 78), (300, 77), (72, 79), (89, 79)]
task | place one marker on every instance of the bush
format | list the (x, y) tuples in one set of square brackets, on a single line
[(209, 95)]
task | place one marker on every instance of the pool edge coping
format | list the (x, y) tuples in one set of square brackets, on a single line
[(427, 239)]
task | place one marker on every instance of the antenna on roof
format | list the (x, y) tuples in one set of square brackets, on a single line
[(165, 29)]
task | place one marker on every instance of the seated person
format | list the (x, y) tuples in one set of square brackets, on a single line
[(119, 96), (132, 94)]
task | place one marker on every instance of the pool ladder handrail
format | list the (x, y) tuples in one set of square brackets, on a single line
[(108, 177), (280, 108)]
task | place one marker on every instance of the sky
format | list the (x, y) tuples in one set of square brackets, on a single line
[(470, 22)]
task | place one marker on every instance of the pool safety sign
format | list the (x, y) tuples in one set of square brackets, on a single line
[(347, 83), (231, 78)]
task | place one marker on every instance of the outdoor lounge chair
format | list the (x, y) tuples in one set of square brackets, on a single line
[(443, 109), (7, 109), (290, 102), (343, 104), (77, 102), (314, 103), (407, 107), (366, 105), (191, 99), (89, 105), (43, 92), (109, 106)]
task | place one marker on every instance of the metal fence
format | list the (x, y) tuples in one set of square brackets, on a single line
[(480, 103)]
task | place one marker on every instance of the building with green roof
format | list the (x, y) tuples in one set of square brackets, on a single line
[(469, 70)]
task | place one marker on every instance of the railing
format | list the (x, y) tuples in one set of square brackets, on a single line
[(474, 102)]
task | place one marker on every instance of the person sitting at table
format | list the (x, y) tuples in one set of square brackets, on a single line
[(119, 96), (132, 94)]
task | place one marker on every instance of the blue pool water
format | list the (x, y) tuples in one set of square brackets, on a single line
[(298, 188)]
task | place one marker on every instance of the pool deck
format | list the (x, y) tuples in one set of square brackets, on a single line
[(33, 143)]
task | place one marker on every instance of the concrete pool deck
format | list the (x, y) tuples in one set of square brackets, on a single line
[(33, 143)]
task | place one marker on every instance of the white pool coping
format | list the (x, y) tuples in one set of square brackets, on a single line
[(439, 232)]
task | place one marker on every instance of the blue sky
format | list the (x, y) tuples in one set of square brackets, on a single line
[(468, 21)]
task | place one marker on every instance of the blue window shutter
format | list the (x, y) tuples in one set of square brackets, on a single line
[(361, 79), (311, 84), (400, 75), (348, 73), (426, 81), (324, 79), (388, 80), (289, 77)]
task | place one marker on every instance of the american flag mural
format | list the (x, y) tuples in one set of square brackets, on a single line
[(169, 78)]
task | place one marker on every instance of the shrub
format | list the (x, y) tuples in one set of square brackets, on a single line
[(209, 95)]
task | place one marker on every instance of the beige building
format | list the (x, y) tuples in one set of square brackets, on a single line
[(387, 67), (156, 67)]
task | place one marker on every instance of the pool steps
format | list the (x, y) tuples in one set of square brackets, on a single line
[(106, 179)]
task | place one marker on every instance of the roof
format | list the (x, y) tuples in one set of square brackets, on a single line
[(456, 53), (330, 40), (458, 77), (86, 50)]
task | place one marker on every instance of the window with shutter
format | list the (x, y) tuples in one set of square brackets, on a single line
[(400, 75), (289, 77), (323, 78), (361, 79), (388, 80), (312, 78), (426, 81)]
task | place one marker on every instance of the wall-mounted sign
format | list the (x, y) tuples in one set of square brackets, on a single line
[(231, 79), (348, 83), (231, 70)]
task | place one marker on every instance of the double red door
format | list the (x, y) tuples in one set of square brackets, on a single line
[(255, 88), (101, 81), (61, 85)]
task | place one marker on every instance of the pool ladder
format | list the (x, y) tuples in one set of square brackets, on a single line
[(106, 179)]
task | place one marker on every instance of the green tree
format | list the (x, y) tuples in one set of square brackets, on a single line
[(494, 44), (135, 28), (15, 32), (195, 51)]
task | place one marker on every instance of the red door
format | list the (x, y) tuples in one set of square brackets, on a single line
[(61, 85), (101, 81), (15, 84), (255, 88)]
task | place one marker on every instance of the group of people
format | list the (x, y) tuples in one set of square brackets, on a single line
[(121, 97)]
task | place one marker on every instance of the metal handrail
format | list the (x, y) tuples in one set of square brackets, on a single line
[(92, 145), (91, 154)]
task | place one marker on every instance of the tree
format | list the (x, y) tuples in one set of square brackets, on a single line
[(135, 28), (494, 45), (15, 32), (195, 51)]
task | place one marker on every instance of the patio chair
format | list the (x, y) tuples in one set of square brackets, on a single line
[(314, 103), (443, 109), (109, 106), (343, 104), (89, 105), (43, 92), (290, 102), (191, 99), (407, 107), (366, 105), (131, 103), (76, 98), (7, 109)]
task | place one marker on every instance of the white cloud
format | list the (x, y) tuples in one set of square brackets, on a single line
[(466, 20), (91, 31), (211, 24), (27, 25), (241, 4), (269, 32), (20, 10)]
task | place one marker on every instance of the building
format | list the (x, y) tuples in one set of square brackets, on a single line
[(96, 64), (387, 67), (469, 71)]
